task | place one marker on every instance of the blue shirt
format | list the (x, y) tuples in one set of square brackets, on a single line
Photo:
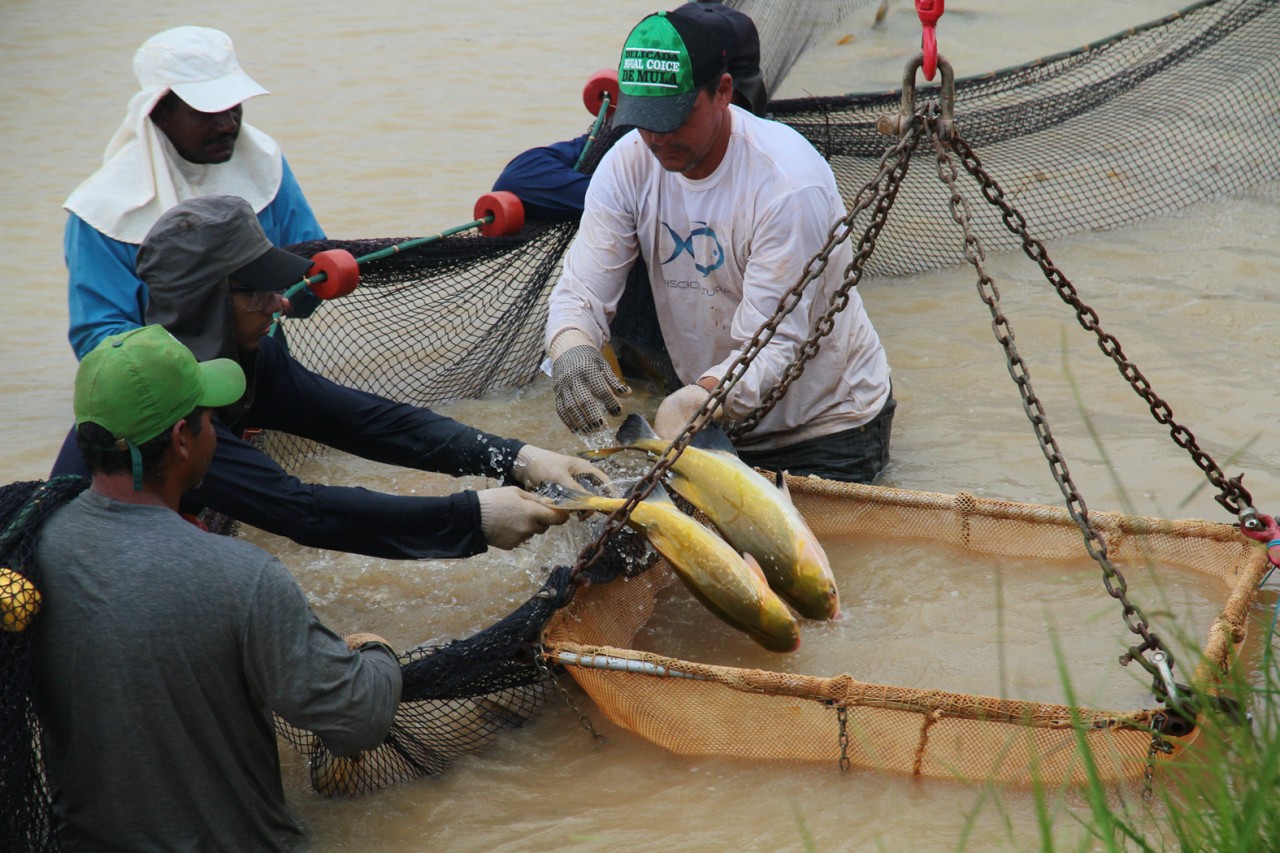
[(105, 295)]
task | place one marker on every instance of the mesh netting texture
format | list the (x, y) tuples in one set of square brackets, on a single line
[(695, 708), (1145, 123), (26, 816), (458, 696)]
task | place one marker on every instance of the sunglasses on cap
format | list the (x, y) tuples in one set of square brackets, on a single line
[(257, 300)]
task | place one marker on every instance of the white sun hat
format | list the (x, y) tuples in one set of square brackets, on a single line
[(199, 65)]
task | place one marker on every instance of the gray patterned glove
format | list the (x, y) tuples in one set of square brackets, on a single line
[(585, 386), (509, 515)]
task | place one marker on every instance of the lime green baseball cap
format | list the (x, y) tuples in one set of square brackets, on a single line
[(138, 384), (665, 61)]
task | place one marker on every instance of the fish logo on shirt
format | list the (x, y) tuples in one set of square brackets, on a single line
[(704, 235)]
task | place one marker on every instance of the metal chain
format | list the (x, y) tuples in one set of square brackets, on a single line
[(892, 167), (1232, 495), (548, 675), (842, 719), (1094, 543), (1158, 745), (890, 174)]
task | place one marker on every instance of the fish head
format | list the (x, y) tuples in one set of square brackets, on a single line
[(815, 593), (777, 629), (775, 626)]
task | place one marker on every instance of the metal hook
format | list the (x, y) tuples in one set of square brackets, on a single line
[(899, 124)]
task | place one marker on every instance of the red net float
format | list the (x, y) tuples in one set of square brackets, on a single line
[(603, 82), (342, 273), (507, 212)]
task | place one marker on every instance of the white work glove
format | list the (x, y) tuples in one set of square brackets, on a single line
[(535, 466), (676, 410), (510, 515), (586, 387), (363, 638)]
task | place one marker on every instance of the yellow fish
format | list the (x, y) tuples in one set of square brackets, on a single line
[(729, 584), (752, 514)]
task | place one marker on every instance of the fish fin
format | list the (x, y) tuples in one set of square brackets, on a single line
[(712, 437), (659, 495), (634, 428), (754, 566), (601, 453)]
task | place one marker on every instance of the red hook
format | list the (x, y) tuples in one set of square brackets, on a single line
[(929, 11)]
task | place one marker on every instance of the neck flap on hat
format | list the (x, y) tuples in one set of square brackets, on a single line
[(143, 175)]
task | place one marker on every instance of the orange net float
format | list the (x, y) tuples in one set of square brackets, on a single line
[(504, 210), (340, 271), (603, 82)]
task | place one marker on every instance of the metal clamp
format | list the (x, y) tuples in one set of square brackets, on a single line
[(1161, 660), (897, 125)]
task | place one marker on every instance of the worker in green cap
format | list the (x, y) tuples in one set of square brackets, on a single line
[(163, 650)]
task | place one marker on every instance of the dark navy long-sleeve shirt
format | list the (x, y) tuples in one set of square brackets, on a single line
[(248, 485)]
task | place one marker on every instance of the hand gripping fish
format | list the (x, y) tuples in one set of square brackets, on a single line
[(752, 514), (729, 584)]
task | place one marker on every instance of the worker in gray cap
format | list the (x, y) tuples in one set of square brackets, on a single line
[(216, 282)]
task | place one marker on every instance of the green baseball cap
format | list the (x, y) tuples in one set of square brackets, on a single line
[(137, 384), (665, 61)]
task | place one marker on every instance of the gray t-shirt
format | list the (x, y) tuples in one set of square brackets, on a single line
[(161, 651)]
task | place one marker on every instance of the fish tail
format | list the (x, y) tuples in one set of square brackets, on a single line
[(567, 498)]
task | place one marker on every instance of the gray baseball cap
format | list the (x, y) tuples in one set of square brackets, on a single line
[(216, 237)]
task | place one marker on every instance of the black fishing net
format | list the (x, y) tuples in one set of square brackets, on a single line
[(458, 696), (26, 817), (1141, 124), (1144, 123), (1150, 121)]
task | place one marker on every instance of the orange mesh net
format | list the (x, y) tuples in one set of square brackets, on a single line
[(702, 709)]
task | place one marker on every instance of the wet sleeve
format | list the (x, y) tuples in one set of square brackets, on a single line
[(305, 673), (295, 400), (104, 294), (246, 484)]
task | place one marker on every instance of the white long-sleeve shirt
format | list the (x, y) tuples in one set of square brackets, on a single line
[(721, 252)]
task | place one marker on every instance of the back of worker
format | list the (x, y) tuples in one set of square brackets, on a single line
[(151, 734)]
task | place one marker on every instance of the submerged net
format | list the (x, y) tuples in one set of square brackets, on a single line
[(694, 708), (1099, 137), (1141, 124), (1138, 125)]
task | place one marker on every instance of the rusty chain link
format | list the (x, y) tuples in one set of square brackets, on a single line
[(842, 721), (890, 175), (881, 191), (1096, 546), (1232, 494)]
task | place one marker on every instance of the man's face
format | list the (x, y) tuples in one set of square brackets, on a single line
[(254, 313), (198, 137), (696, 147)]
